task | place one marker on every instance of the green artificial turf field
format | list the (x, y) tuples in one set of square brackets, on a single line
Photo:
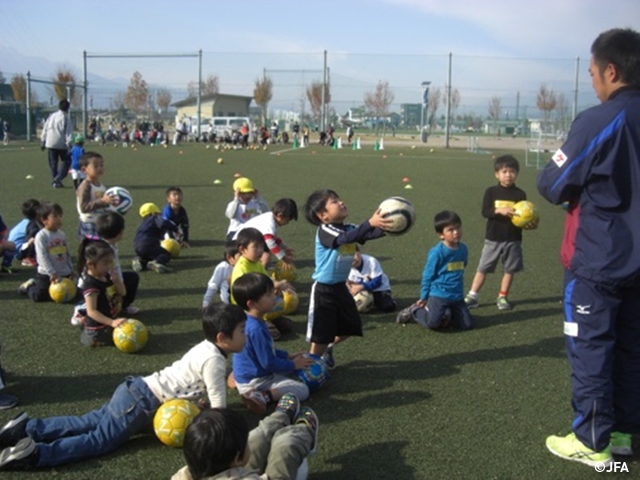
[(403, 402)]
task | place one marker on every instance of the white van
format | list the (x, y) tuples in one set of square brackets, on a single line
[(226, 125)]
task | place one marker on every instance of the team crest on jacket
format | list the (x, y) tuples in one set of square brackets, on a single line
[(559, 157)]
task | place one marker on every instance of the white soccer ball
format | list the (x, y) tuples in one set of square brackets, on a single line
[(401, 213), (125, 201), (364, 301)]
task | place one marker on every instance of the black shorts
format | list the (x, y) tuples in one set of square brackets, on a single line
[(332, 312)]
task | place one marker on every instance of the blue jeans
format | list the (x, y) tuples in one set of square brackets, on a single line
[(68, 439), (432, 317), (58, 172)]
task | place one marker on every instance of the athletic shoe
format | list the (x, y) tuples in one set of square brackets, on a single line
[(7, 401), (13, 430), (29, 262), (22, 456), (309, 418), (503, 303), (327, 356), (158, 267), (255, 401), (405, 315), (290, 405), (471, 301), (273, 330), (8, 270), (136, 265), (25, 286), (620, 443), (570, 448), (78, 317)]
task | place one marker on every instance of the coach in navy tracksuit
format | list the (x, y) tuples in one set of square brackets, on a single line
[(597, 171)]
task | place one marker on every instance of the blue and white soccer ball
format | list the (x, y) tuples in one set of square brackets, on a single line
[(316, 374), (125, 200)]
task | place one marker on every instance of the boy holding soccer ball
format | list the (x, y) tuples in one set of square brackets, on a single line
[(47, 442), (92, 199), (503, 240), (333, 316)]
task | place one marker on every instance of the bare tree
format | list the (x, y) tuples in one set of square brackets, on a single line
[(137, 96), (378, 101), (455, 100), (163, 98), (494, 111), (65, 86), (562, 112), (210, 86), (314, 95), (262, 94), (546, 102), (435, 97)]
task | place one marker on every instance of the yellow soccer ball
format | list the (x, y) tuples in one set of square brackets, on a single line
[(172, 419), (172, 246), (291, 302), (62, 291), (278, 273), (278, 310), (525, 214), (131, 336)]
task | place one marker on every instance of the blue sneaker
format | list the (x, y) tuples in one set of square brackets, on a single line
[(309, 418), (7, 401)]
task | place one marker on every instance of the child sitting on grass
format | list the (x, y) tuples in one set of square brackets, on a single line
[(261, 371), (251, 247), (219, 281), (103, 297), (23, 235), (246, 204), (148, 239), (366, 274), (176, 213), (218, 444), (441, 299), (282, 212), (52, 254), (48, 442)]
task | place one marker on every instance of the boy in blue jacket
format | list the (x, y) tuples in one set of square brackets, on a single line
[(262, 371)]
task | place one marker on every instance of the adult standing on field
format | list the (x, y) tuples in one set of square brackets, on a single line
[(597, 171), (57, 139)]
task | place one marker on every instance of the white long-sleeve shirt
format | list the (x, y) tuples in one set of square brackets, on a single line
[(219, 282), (238, 213), (202, 370), (58, 131)]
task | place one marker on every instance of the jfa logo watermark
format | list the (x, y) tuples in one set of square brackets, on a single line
[(612, 467)]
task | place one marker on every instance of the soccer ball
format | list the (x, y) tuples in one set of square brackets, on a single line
[(316, 374), (125, 203), (291, 302), (364, 301), (131, 336), (291, 275), (172, 419), (62, 291), (172, 246), (278, 310), (401, 212), (525, 213)]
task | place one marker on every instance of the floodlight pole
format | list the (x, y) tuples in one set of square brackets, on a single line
[(447, 129), (424, 105), (575, 91)]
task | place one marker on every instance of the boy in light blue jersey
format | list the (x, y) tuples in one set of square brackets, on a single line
[(442, 289), (333, 316)]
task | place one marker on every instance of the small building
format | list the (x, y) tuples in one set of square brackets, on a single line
[(218, 105)]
